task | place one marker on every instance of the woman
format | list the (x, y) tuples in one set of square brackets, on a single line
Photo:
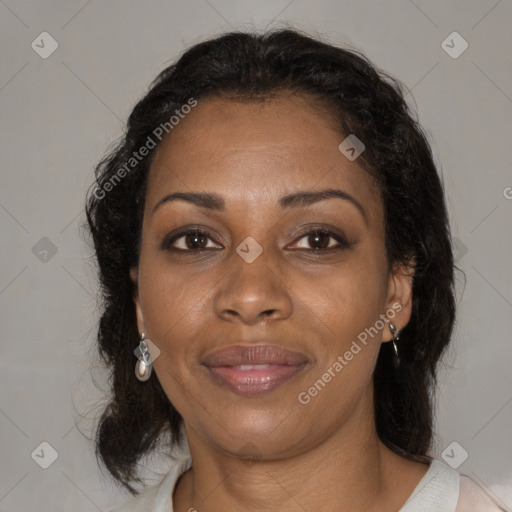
[(275, 261)]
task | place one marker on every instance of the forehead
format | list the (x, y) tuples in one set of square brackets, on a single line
[(257, 151)]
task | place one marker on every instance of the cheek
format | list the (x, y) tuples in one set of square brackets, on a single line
[(174, 312), (343, 311), (337, 303), (346, 300), (349, 348), (170, 305)]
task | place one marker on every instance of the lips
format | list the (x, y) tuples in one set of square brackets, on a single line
[(255, 369), (254, 354)]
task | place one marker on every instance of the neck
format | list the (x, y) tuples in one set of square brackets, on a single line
[(351, 470)]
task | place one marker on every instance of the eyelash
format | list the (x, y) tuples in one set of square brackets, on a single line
[(340, 239)]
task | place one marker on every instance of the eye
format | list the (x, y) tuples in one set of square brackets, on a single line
[(197, 240), (321, 240), (189, 240)]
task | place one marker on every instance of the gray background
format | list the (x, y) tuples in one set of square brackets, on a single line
[(58, 116)]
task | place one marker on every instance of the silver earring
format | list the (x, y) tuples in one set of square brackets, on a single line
[(396, 335), (143, 367)]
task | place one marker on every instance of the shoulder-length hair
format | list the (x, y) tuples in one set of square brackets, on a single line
[(361, 100)]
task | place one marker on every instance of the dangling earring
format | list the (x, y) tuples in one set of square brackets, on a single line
[(396, 334), (143, 366)]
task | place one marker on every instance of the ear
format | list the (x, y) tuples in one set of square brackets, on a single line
[(399, 298), (136, 298)]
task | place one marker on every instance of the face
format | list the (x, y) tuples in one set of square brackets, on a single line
[(293, 283)]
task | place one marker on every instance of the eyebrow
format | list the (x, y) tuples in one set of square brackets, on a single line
[(295, 200)]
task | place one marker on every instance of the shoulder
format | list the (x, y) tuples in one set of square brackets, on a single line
[(442, 489), (144, 502), (437, 491), (157, 498), (473, 497)]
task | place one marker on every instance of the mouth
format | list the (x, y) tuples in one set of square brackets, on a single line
[(254, 370)]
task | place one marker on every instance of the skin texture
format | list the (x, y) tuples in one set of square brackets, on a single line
[(325, 455)]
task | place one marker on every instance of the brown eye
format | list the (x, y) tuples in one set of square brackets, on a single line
[(191, 240), (322, 241), (195, 240), (319, 240)]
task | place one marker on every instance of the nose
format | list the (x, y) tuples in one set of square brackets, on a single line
[(253, 292)]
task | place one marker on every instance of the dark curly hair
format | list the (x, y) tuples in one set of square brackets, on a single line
[(361, 100)]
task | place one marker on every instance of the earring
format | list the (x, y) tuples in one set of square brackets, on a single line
[(396, 334), (143, 366)]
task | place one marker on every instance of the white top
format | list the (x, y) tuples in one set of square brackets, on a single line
[(441, 489)]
